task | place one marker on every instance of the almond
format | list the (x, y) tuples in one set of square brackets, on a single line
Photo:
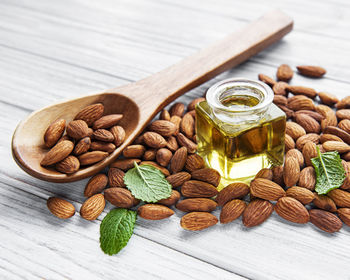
[(338, 132), (90, 113), (311, 71), (266, 189), (292, 210), (187, 125), (154, 212), (54, 132), (330, 118), (309, 152), (343, 103), (154, 140), (194, 162), (341, 198), (278, 175), (194, 188), (172, 144), (198, 221), (82, 146), (291, 171), (196, 205), (232, 210), (317, 116), (163, 156), (178, 179), (340, 147), (150, 154), (346, 156), (57, 153), (344, 125), (344, 215), (92, 157), (96, 184), (303, 195), (289, 113), (208, 175), (308, 123), (178, 160), (164, 115), (329, 137), (294, 130), (313, 137), (177, 109), (284, 73), (164, 128), (185, 142), (264, 173), (171, 200), (93, 207), (118, 134), (328, 98), (280, 100), (103, 135), (125, 164), (160, 168), (296, 154), (300, 90), (177, 121), (192, 105), (280, 88), (325, 221), (300, 102), (107, 121), (77, 129), (120, 197), (116, 178), (102, 146), (343, 114), (289, 143), (267, 80), (307, 178), (232, 191), (257, 212), (134, 151), (68, 166), (60, 208), (324, 202)]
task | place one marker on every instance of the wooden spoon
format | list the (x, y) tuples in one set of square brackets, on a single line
[(139, 102)]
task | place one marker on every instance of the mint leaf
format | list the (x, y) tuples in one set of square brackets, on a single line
[(147, 183), (330, 173), (116, 229)]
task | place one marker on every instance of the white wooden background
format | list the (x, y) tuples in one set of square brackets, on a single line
[(50, 50)]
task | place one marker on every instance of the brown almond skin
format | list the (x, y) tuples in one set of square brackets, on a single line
[(194, 162), (325, 221), (340, 147), (195, 221), (149, 154), (291, 171), (280, 88), (60, 208), (54, 132), (296, 154), (82, 146), (116, 178), (195, 188), (328, 98), (330, 118), (303, 195), (307, 178), (164, 115), (266, 189), (120, 197), (232, 191), (103, 135), (107, 121), (154, 140), (185, 142), (69, 165), (284, 73), (163, 156), (324, 202), (265, 173), (278, 175), (208, 175), (92, 157), (294, 130), (118, 134), (77, 129), (289, 143), (311, 71), (96, 184), (187, 125), (57, 153), (178, 160), (102, 146), (196, 205), (178, 179), (308, 123), (344, 125), (172, 144), (125, 163), (257, 212), (162, 127), (267, 80), (170, 201), (329, 137), (300, 102), (343, 103), (343, 114), (338, 132), (192, 105), (341, 198), (316, 116), (309, 152), (160, 168), (93, 207), (313, 137), (154, 212), (292, 210), (344, 215), (134, 151), (297, 90), (232, 210), (90, 113), (177, 109), (280, 100)]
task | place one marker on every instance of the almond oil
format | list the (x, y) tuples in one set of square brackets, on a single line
[(239, 130)]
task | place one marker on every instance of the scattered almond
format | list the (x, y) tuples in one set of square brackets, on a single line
[(60, 208), (154, 212), (198, 221)]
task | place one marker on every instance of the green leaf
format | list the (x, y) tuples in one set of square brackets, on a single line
[(330, 173), (147, 183), (116, 229)]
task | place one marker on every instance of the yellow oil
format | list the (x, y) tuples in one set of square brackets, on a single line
[(239, 151)]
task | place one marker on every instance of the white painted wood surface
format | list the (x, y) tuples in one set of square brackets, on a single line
[(73, 47)]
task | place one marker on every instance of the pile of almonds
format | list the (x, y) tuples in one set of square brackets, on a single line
[(89, 138), (169, 144)]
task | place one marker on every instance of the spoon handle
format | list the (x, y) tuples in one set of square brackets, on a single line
[(165, 86)]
